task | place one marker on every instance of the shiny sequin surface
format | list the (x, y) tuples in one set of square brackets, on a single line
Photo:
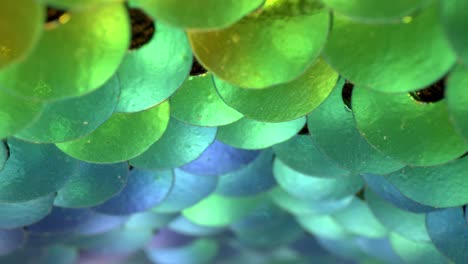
[(233, 131)]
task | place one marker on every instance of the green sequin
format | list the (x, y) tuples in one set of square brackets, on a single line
[(199, 251), (216, 210), (272, 46), (282, 102), (200, 14), (407, 130), (20, 214), (78, 4), (312, 188), (251, 134), (334, 132), (376, 11), (122, 137), (96, 41), (21, 27), (179, 145), (75, 117), (197, 103), (92, 184), (358, 219), (393, 57), (3, 154), (16, 113), (454, 21), (437, 186), (457, 99), (33, 171), (408, 224), (152, 73), (300, 154), (59, 254), (301, 207), (323, 226), (416, 252)]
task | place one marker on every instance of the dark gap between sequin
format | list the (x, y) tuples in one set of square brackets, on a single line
[(197, 68), (360, 194), (7, 149), (346, 93), (304, 130), (54, 14), (432, 93), (143, 28)]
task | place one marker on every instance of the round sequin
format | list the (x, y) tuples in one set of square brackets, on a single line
[(407, 130), (345, 248), (22, 255), (199, 14), (220, 159), (457, 98), (454, 23), (218, 211), (22, 27), (149, 220), (120, 241), (73, 4), (387, 53), (184, 226), (73, 118), (266, 216), (200, 251), (408, 224), (304, 207), (379, 249), (187, 190), (373, 11), (323, 226), (250, 134), (11, 240), (167, 239), (252, 179), (96, 41), (144, 190), (92, 184), (33, 171), (437, 186), (74, 223), (16, 113), (266, 145), (282, 102), (416, 252), (289, 34), (3, 154), (381, 186), (312, 188), (20, 214), (365, 225), (300, 154), (59, 254), (267, 227), (122, 137), (150, 74), (334, 132), (447, 229), (197, 103), (167, 152)]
